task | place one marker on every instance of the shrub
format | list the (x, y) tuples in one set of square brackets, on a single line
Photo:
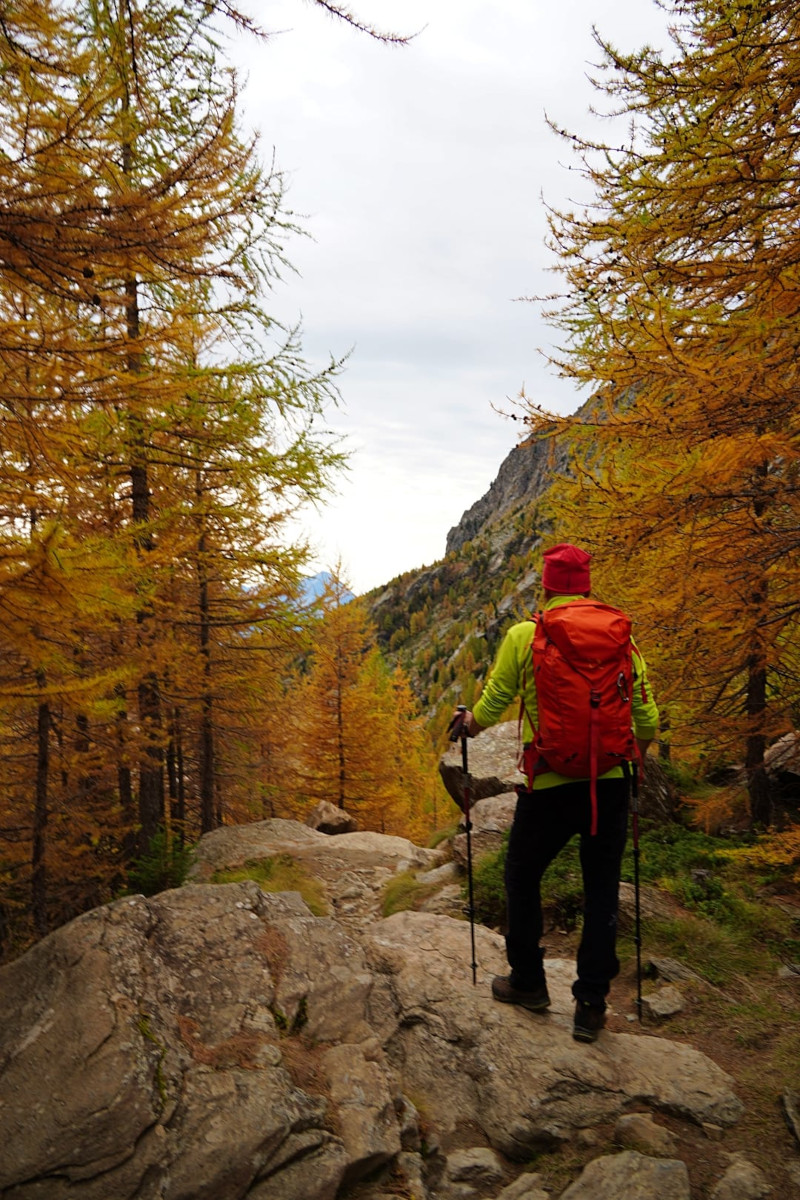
[(164, 864)]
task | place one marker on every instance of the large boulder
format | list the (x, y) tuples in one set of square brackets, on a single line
[(150, 1048), (329, 818), (517, 1076), (491, 760), (215, 1041), (234, 845)]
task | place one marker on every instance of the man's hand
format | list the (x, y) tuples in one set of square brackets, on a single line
[(463, 724)]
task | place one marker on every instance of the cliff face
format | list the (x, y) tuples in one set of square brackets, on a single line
[(524, 476)]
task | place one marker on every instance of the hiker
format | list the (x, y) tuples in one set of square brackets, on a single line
[(554, 806)]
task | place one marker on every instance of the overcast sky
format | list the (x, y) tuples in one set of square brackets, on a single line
[(420, 174)]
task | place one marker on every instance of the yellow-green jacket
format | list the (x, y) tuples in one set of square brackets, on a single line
[(512, 676)]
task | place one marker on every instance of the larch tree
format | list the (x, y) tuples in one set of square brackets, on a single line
[(681, 310), (157, 429), (361, 743)]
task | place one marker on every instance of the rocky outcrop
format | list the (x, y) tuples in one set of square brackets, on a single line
[(491, 760), (782, 761), (525, 473), (218, 1041)]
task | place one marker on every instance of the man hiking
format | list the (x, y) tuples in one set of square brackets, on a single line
[(587, 711)]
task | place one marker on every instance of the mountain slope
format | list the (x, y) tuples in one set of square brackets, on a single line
[(443, 623)]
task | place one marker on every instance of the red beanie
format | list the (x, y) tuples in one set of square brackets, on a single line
[(566, 570)]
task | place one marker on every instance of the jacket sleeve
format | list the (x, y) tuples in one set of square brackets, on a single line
[(645, 709), (508, 675)]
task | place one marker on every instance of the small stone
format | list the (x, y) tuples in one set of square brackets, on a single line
[(446, 873), (714, 1133), (630, 1175), (479, 1165), (525, 1187), (638, 1131), (587, 1137), (793, 1171), (742, 1181), (666, 1002), (329, 818)]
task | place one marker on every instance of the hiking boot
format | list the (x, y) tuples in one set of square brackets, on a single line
[(536, 1000), (589, 1020)]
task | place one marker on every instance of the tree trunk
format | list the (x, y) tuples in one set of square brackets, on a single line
[(340, 727), (151, 761), (124, 781), (39, 858), (758, 783), (181, 813), (208, 819)]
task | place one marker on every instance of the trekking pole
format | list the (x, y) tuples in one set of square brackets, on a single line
[(637, 903), (457, 731)]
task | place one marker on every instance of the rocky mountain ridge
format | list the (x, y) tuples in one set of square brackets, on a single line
[(525, 475), (442, 623), (218, 1042)]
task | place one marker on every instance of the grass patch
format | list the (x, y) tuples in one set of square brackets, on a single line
[(672, 850), (404, 892), (488, 889), (281, 873), (715, 953), (442, 835)]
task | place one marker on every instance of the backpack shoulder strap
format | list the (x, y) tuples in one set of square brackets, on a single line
[(522, 757)]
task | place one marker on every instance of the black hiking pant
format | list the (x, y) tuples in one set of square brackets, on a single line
[(544, 821)]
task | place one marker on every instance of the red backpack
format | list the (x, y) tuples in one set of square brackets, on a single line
[(583, 672)]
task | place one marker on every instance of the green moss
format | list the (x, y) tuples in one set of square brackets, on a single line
[(300, 1019), (404, 892), (143, 1025), (281, 873)]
